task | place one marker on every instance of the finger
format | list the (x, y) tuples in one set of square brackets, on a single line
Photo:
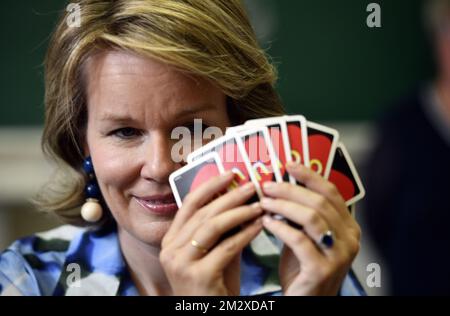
[(317, 183), (308, 198), (312, 221), (301, 245), (316, 264), (222, 254), (230, 272), (222, 204), (196, 199), (212, 230), (326, 189), (226, 202)]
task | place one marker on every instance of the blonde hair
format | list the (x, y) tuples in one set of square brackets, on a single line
[(211, 38)]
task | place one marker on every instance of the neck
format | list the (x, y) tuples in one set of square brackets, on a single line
[(144, 265)]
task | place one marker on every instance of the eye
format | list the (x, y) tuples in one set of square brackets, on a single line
[(126, 133)]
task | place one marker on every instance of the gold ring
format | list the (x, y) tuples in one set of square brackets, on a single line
[(198, 246)]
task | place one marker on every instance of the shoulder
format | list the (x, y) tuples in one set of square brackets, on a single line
[(32, 265), (397, 133), (404, 114)]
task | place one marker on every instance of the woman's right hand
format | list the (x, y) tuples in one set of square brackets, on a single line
[(212, 266)]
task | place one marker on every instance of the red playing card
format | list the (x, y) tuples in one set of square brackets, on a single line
[(277, 134), (187, 179), (344, 175), (295, 132), (278, 146), (322, 142), (259, 155), (231, 158)]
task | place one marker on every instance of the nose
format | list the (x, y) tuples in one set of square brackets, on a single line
[(157, 162)]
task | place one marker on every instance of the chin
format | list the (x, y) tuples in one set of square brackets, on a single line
[(152, 233)]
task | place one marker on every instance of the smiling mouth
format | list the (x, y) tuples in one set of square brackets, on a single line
[(159, 205)]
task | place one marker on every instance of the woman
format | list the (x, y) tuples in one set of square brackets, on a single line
[(115, 89)]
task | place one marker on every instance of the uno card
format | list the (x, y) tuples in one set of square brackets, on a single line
[(322, 143), (258, 147), (352, 209), (189, 177), (232, 157), (344, 175), (235, 129), (297, 135), (280, 143)]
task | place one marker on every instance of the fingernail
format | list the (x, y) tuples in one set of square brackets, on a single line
[(256, 206), (228, 174), (278, 217), (248, 187), (258, 222), (269, 185), (267, 219), (266, 201), (292, 164)]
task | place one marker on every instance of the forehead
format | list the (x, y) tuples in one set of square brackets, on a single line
[(122, 82)]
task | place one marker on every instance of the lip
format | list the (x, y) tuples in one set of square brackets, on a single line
[(158, 204)]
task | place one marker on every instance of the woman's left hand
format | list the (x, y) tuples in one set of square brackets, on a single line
[(307, 266)]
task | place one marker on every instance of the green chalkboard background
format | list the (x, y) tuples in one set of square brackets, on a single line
[(332, 66)]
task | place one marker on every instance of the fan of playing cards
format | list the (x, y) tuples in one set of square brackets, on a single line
[(258, 151)]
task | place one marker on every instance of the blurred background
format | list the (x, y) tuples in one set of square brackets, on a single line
[(333, 68)]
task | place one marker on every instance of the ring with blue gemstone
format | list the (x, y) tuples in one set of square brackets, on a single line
[(327, 239)]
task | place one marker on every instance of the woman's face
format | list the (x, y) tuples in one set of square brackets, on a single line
[(134, 103)]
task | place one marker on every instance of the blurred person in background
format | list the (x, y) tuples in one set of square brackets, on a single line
[(408, 177)]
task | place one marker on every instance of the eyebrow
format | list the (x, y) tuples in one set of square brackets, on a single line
[(186, 111), (189, 111), (114, 117)]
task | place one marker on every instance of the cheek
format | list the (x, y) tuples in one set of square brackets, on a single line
[(114, 166)]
